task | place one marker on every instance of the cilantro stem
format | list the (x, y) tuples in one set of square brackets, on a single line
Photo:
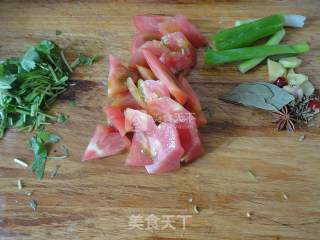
[(65, 61)]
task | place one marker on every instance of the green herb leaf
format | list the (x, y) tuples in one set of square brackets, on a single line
[(260, 95), (85, 60), (30, 58)]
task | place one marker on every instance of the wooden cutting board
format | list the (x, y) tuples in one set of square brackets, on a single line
[(103, 199)]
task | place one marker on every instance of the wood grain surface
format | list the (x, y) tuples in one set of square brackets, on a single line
[(95, 200)]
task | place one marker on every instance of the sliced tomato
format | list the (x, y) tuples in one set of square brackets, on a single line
[(125, 100), (193, 104), (165, 109), (118, 75), (180, 23), (145, 73), (156, 47), (166, 149), (116, 116), (164, 75), (152, 89), (190, 141), (138, 121), (105, 142), (139, 154), (149, 24)]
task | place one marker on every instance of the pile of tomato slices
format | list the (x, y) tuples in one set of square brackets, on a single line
[(153, 110)]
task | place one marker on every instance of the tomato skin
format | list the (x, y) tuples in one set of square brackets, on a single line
[(116, 116), (193, 104), (118, 75), (149, 24), (105, 142), (164, 75)]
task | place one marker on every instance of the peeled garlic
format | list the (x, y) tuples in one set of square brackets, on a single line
[(307, 88), (275, 70), (290, 62), (296, 79)]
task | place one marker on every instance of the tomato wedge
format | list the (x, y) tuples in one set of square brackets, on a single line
[(118, 75), (166, 149), (116, 116), (149, 24), (138, 121), (193, 104), (105, 142), (165, 109), (164, 75)]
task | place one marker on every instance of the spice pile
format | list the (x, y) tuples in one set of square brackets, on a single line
[(290, 96)]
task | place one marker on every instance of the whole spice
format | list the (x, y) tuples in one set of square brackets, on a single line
[(284, 119), (280, 82), (305, 110)]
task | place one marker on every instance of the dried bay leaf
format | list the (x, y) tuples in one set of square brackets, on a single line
[(262, 95)]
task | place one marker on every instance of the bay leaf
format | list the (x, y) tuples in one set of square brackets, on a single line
[(261, 95)]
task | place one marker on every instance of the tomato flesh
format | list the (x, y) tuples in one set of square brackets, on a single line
[(105, 142)]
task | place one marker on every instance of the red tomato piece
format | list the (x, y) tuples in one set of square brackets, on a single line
[(118, 75), (116, 116), (193, 104), (149, 24), (152, 89), (180, 23), (165, 76), (191, 32), (165, 109), (139, 154), (138, 121), (156, 47), (165, 148), (105, 142)]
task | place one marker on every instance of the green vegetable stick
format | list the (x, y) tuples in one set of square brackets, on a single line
[(274, 40), (239, 54), (246, 34)]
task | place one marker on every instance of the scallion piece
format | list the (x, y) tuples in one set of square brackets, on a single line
[(296, 21), (246, 34), (239, 54), (274, 40)]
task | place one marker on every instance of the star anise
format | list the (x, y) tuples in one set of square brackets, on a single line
[(284, 119)]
